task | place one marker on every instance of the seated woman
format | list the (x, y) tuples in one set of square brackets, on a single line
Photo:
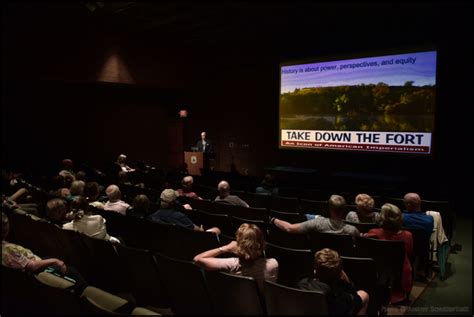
[(365, 210), (88, 224), (391, 217), (249, 260), (17, 257)]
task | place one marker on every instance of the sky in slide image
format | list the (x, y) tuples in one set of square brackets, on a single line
[(417, 67)]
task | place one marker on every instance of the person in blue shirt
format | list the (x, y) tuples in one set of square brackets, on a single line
[(171, 213), (414, 218)]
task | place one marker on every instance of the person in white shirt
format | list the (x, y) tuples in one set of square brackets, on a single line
[(88, 224), (115, 203)]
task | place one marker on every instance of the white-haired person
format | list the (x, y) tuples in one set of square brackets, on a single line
[(365, 210), (115, 202), (187, 188)]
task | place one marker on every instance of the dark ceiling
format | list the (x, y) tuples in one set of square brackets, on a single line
[(281, 26)]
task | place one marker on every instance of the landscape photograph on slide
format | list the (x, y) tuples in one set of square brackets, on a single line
[(383, 93)]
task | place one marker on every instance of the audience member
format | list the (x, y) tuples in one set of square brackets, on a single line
[(141, 206), (365, 210), (333, 224), (17, 257), (58, 187), (414, 218), (187, 188), (88, 224), (67, 171), (122, 162), (115, 203), (391, 217), (57, 211), (267, 186), (81, 176), (226, 198), (250, 257), (329, 277), (77, 188), (170, 213), (92, 193)]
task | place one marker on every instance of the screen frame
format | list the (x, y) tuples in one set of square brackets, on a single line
[(364, 54)]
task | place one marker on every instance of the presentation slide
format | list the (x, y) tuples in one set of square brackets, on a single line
[(374, 104)]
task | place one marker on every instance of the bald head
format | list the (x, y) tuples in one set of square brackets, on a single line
[(187, 182), (113, 192), (412, 202), (224, 189)]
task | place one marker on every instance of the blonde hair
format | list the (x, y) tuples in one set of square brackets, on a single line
[(392, 218), (327, 265), (250, 242), (364, 202)]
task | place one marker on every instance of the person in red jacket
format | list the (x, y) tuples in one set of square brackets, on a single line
[(391, 230)]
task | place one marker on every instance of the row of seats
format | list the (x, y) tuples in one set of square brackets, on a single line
[(45, 293), (100, 262)]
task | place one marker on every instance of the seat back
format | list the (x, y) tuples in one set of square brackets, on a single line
[(363, 273), (293, 264), (315, 207), (363, 227), (288, 240), (141, 275), (237, 222), (104, 276), (284, 300), (388, 255), (234, 294), (287, 216), (209, 220), (98, 301), (342, 243), (286, 204), (185, 284), (185, 243)]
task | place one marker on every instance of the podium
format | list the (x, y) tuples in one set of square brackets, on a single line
[(195, 162)]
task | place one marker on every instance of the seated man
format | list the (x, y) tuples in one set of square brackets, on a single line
[(169, 213), (226, 198), (115, 203), (187, 188), (343, 298), (414, 218), (57, 211), (334, 224)]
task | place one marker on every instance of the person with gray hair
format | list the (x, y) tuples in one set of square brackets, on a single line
[(77, 188), (226, 198), (115, 203), (170, 213), (365, 210), (333, 224), (187, 188), (392, 219)]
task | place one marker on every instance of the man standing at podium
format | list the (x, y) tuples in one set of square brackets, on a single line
[(205, 146)]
